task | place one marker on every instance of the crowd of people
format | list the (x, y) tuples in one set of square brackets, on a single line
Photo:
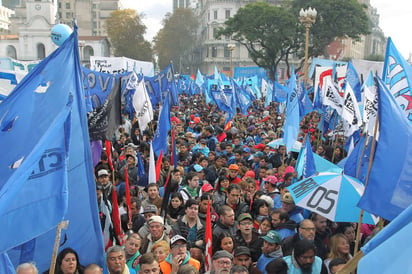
[(257, 227)]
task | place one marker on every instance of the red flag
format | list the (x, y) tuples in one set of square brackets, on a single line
[(128, 202), (159, 165), (228, 125), (116, 216), (208, 238), (108, 146)]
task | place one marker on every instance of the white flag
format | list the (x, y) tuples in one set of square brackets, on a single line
[(264, 88), (351, 112), (152, 167), (331, 96), (370, 104), (142, 106)]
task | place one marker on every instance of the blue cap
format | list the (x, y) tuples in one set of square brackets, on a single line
[(197, 168)]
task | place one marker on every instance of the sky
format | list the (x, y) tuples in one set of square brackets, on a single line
[(395, 19)]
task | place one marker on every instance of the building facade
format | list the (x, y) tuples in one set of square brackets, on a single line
[(90, 14), (29, 35)]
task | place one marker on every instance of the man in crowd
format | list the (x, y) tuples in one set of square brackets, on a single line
[(271, 190), (116, 261), (226, 222), (131, 248), (247, 236), (149, 264), (137, 219), (289, 205), (157, 234), (178, 256), (221, 262), (233, 174), (304, 259), (271, 249), (322, 235), (152, 194), (243, 257), (234, 202), (306, 231), (282, 224), (190, 226), (103, 179)]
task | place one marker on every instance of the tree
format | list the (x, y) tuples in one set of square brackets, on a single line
[(125, 30), (272, 34), (176, 40), (335, 18), (267, 31)]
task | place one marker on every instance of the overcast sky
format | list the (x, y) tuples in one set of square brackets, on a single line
[(395, 19)]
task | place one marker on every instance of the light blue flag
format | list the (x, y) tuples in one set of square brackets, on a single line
[(352, 78), (389, 251), (305, 165), (162, 131), (389, 189), (397, 75), (199, 79), (243, 99), (280, 92), (305, 105), (43, 128), (291, 126)]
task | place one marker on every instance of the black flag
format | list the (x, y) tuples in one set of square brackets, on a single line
[(105, 119)]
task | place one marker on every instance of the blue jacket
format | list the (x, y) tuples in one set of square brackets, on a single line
[(294, 268)]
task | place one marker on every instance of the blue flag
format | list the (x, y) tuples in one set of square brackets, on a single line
[(397, 75), (317, 101), (269, 94), (305, 165), (280, 92), (162, 131), (356, 164), (43, 128), (389, 251), (161, 85), (305, 105), (389, 189), (291, 126), (353, 80), (6, 266), (242, 97)]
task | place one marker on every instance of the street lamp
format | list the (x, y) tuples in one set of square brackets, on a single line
[(231, 47), (307, 17)]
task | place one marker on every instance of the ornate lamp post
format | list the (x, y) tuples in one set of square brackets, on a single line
[(307, 17), (231, 47)]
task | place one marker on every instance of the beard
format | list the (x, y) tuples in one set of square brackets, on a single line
[(306, 268)]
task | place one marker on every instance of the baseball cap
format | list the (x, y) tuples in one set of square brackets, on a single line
[(206, 188), (198, 168), (150, 209), (246, 149), (287, 198), (260, 146), (102, 172), (244, 216), (272, 237), (234, 167), (259, 154), (242, 250), (177, 238), (155, 219), (271, 179)]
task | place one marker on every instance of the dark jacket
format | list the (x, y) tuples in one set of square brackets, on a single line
[(220, 228), (289, 243), (181, 228), (255, 246)]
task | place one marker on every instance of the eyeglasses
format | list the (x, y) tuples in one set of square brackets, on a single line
[(222, 263), (177, 246), (308, 228), (246, 223)]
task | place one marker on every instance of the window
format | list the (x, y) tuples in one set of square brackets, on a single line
[(11, 52), (208, 16), (214, 33), (68, 15), (60, 5), (227, 14), (215, 14), (41, 52), (214, 51), (87, 52), (226, 52), (67, 5)]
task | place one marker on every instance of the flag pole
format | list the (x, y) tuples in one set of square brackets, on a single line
[(60, 226), (361, 156), (375, 130)]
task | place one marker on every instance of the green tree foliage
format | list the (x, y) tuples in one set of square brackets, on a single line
[(267, 31), (125, 30), (175, 41), (272, 34), (335, 19)]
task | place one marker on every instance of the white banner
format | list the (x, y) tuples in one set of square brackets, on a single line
[(116, 65)]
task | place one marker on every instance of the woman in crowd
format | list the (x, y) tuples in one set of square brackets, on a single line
[(67, 262), (339, 248), (223, 242)]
